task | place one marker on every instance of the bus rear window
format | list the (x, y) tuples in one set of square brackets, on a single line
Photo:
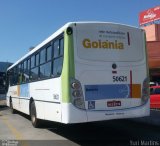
[(109, 42)]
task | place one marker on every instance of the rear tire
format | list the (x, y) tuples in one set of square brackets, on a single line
[(33, 114), (13, 111)]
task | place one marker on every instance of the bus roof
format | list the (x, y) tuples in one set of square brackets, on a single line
[(59, 31)]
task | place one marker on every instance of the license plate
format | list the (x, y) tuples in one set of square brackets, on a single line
[(113, 103)]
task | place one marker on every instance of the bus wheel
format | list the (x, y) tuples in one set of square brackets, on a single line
[(34, 120), (13, 111)]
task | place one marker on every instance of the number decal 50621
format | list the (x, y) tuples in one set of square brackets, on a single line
[(119, 78)]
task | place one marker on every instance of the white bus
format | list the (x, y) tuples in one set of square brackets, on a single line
[(85, 71)]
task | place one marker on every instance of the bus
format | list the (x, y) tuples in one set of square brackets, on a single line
[(3, 79), (84, 72)]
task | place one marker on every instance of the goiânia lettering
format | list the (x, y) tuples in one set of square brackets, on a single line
[(87, 43)]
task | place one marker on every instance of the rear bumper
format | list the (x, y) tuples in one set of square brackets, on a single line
[(71, 114), (136, 112)]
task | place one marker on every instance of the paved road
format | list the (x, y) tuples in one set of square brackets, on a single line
[(115, 132)]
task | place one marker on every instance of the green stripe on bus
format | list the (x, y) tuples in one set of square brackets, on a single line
[(68, 71)]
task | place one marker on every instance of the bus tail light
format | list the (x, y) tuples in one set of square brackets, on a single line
[(75, 85), (77, 94), (145, 91)]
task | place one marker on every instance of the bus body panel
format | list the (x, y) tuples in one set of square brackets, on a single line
[(103, 80), (12, 92), (97, 48), (24, 106), (46, 95), (71, 114)]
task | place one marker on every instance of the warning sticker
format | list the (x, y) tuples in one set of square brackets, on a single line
[(91, 104)]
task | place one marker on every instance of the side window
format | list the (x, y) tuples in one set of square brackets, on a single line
[(22, 73), (10, 75), (28, 69), (28, 62), (58, 57), (19, 68), (25, 66), (56, 49), (61, 46), (45, 70), (42, 56), (34, 72), (25, 72), (13, 77), (45, 62), (57, 67), (37, 60), (19, 74), (49, 53), (22, 67), (16, 75), (33, 61)]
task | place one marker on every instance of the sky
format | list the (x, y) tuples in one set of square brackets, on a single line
[(26, 23)]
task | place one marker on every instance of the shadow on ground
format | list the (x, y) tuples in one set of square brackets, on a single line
[(113, 132)]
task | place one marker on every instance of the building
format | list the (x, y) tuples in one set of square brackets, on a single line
[(153, 47), (150, 21)]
